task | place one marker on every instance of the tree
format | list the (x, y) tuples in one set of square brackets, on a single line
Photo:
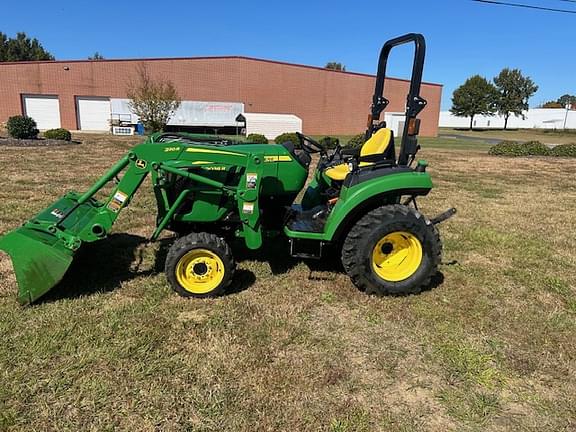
[(552, 104), (561, 102), (22, 48), (514, 92), (335, 66), (96, 56), (153, 100), (477, 96), (566, 100)]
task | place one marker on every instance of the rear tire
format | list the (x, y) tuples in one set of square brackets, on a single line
[(200, 265), (392, 250)]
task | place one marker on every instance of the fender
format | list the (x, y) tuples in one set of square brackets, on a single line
[(372, 193)]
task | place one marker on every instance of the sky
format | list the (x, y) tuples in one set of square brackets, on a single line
[(464, 38)]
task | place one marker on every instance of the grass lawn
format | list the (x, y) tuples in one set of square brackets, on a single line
[(296, 347), (543, 135)]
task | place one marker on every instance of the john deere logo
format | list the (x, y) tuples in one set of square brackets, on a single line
[(140, 163)]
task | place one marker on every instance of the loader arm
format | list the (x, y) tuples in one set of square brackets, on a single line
[(43, 248)]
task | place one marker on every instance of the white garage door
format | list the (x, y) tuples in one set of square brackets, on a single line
[(93, 113), (45, 110)]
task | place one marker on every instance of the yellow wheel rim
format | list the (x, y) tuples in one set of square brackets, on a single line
[(200, 271), (397, 256)]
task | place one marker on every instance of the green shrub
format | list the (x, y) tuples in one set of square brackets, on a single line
[(58, 134), (287, 137), (536, 148), (22, 127), (507, 148), (356, 141), (564, 150), (515, 149), (329, 142), (257, 139)]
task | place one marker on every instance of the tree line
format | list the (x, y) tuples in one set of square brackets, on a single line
[(562, 102), (24, 48), (507, 95)]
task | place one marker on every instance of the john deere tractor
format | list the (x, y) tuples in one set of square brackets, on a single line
[(211, 191)]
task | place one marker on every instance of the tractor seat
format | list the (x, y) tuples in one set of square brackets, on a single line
[(378, 144)]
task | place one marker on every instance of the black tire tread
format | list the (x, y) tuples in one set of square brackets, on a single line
[(384, 215), (196, 241)]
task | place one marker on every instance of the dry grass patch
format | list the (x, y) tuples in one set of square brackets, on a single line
[(295, 346)]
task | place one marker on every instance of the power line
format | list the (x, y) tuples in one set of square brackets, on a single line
[(502, 3)]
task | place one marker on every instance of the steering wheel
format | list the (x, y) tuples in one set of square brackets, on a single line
[(337, 153), (310, 145)]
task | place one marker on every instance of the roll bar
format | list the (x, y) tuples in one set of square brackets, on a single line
[(414, 102)]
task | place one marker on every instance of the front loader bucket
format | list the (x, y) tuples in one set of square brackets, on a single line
[(39, 262), (43, 248)]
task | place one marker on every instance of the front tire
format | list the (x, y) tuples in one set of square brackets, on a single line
[(392, 250), (200, 265)]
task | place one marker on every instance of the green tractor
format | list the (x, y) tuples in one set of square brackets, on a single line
[(211, 191)]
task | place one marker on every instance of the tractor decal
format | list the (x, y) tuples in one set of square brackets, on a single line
[(117, 201), (277, 159), (202, 150)]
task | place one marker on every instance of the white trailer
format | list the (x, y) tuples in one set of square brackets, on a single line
[(271, 125), (190, 113)]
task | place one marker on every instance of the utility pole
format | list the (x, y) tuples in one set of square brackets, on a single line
[(568, 106)]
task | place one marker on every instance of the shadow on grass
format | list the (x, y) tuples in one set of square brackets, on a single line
[(276, 252), (475, 129), (435, 282), (101, 266), (104, 265)]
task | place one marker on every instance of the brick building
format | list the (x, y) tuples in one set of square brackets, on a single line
[(74, 93)]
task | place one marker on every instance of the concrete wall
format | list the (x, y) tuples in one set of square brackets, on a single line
[(539, 118), (328, 102)]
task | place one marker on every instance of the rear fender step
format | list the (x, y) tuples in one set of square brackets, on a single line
[(303, 248)]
